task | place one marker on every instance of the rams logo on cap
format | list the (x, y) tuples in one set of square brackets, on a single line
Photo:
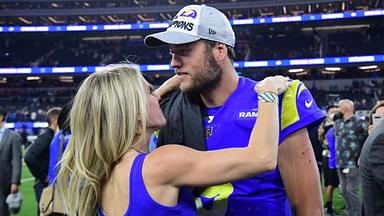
[(189, 13)]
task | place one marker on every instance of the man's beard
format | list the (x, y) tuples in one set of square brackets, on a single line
[(208, 78)]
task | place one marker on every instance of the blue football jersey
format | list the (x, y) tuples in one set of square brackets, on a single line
[(230, 126)]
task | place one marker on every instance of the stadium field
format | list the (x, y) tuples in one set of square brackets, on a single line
[(29, 203)]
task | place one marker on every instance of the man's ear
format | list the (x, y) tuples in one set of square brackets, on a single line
[(370, 128), (220, 52), (55, 119)]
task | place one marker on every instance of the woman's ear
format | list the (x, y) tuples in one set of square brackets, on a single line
[(139, 128)]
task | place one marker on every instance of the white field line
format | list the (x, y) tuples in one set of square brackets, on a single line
[(27, 179)]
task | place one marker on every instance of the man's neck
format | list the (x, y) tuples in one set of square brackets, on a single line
[(227, 85), (347, 116), (53, 127)]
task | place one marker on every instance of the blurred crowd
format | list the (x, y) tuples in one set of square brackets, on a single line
[(31, 104), (364, 94), (61, 50)]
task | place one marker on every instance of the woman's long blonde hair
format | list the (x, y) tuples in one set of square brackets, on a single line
[(107, 118)]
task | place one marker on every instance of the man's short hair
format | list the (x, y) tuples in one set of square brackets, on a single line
[(331, 107), (3, 112), (231, 52), (53, 113), (64, 117), (350, 102)]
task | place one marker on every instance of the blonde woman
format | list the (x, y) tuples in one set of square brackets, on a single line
[(106, 169)]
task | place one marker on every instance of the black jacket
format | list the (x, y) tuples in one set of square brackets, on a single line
[(372, 172), (184, 114), (37, 156)]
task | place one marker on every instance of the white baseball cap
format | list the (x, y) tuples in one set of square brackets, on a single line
[(14, 201), (192, 23)]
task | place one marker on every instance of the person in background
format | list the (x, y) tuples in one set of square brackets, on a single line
[(24, 136), (372, 166), (216, 109), (326, 136), (61, 138), (350, 133), (37, 155), (106, 167), (317, 146), (10, 163), (378, 109)]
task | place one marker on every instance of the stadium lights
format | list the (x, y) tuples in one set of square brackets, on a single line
[(322, 28), (33, 78), (333, 68), (328, 72), (292, 63), (82, 19), (368, 67), (301, 73), (105, 38), (135, 37), (66, 79), (24, 20), (296, 70), (161, 25)]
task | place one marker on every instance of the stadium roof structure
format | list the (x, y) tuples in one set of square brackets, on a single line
[(45, 12), (113, 14)]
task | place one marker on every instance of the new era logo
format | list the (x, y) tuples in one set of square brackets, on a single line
[(211, 31)]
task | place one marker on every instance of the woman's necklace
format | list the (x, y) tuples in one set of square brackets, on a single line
[(137, 150)]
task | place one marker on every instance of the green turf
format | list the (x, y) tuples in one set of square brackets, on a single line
[(338, 202), (29, 204)]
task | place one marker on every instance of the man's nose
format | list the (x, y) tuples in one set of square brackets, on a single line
[(175, 61)]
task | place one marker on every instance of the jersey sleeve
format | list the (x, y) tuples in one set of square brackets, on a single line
[(298, 110), (54, 157), (331, 139)]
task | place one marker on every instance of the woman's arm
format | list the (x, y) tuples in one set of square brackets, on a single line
[(169, 85), (177, 165)]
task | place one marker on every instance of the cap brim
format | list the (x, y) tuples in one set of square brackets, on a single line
[(169, 37)]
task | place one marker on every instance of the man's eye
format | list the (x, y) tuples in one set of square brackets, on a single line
[(182, 52)]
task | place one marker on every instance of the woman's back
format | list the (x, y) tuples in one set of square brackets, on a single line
[(123, 189)]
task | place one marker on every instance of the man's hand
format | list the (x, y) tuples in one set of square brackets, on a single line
[(14, 188)]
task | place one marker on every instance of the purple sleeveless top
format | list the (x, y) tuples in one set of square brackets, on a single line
[(141, 203)]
